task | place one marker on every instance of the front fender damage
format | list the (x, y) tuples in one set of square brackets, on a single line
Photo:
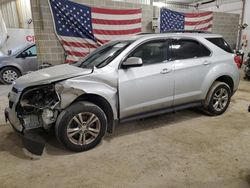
[(39, 107), (67, 95)]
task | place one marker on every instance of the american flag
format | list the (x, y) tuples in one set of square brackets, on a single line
[(81, 28), (172, 20)]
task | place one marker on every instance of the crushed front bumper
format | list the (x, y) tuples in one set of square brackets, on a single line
[(11, 116), (32, 141), (10, 111)]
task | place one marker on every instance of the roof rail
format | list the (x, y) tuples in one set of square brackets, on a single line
[(186, 31), (144, 33)]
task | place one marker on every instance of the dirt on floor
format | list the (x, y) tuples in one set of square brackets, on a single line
[(185, 149)]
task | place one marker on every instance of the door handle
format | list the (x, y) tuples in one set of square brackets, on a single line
[(165, 71), (206, 63)]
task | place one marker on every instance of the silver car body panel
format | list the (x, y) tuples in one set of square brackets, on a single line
[(102, 82), (24, 65), (12, 114), (138, 90), (49, 75)]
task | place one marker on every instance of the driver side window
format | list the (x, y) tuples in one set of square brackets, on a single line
[(152, 52), (31, 52)]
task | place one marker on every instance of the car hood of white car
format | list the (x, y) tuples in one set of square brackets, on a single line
[(49, 75)]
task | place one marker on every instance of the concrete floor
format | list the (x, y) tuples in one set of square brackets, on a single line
[(186, 149), (4, 90)]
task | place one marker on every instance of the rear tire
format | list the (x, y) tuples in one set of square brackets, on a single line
[(218, 99), (81, 126), (9, 74)]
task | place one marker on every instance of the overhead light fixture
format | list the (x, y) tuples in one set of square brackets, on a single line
[(159, 4)]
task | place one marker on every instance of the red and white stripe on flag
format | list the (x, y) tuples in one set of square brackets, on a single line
[(110, 24), (199, 21), (107, 24)]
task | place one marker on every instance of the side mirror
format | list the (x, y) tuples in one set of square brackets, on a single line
[(24, 55), (9, 52), (132, 62)]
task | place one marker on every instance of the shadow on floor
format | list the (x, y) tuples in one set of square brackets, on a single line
[(12, 143), (53, 147), (155, 122)]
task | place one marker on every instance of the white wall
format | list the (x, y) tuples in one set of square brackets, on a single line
[(246, 31), (229, 6), (234, 6), (17, 39)]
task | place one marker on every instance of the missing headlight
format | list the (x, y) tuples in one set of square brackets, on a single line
[(39, 98), (39, 105)]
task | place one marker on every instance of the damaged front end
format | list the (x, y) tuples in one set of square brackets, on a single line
[(38, 107), (33, 108)]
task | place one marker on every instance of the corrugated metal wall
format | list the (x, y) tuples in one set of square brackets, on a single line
[(24, 12), (9, 13), (16, 13)]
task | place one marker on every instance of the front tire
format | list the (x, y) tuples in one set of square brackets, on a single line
[(81, 126), (9, 74), (218, 99)]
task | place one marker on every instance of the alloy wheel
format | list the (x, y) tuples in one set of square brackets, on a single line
[(220, 99), (9, 76), (83, 128)]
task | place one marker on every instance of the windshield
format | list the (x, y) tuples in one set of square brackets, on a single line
[(103, 55), (13, 51)]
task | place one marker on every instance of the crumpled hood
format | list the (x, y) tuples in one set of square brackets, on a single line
[(49, 75)]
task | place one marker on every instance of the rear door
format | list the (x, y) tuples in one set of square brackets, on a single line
[(192, 62), (151, 86)]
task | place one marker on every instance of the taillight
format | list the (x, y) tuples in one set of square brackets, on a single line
[(237, 60)]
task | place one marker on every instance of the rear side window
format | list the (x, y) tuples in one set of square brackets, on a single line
[(186, 49), (221, 43)]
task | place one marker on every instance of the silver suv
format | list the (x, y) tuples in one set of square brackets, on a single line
[(125, 80)]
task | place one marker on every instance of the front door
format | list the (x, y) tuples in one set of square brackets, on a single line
[(148, 87), (29, 61)]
